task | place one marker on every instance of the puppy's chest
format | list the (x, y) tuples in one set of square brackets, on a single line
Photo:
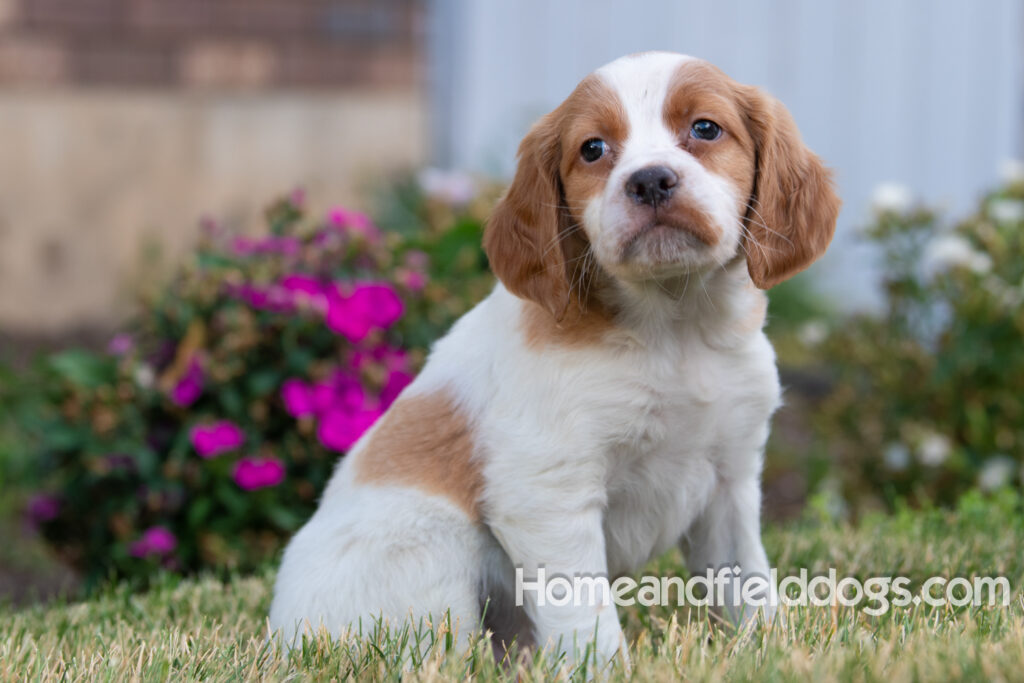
[(681, 421), (677, 403)]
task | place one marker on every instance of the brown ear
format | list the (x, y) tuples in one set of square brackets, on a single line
[(792, 214), (523, 238)]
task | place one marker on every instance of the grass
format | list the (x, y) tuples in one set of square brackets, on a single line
[(214, 630)]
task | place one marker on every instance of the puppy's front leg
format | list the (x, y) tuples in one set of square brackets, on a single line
[(728, 535), (563, 543)]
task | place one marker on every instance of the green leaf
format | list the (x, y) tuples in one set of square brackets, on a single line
[(263, 382), (199, 512), (83, 368), (283, 517)]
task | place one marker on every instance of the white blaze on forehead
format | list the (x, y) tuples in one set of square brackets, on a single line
[(642, 84), (641, 81)]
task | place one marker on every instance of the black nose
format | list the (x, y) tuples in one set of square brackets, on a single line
[(651, 185)]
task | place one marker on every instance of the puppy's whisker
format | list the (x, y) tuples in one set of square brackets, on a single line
[(764, 248), (763, 223), (558, 237)]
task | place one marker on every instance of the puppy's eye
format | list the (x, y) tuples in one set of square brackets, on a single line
[(593, 149), (705, 130)]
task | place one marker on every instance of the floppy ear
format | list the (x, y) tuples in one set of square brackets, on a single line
[(792, 214), (523, 238)]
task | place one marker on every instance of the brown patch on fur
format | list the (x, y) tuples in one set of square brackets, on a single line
[(424, 442), (795, 205), (682, 215), (592, 111), (540, 330), (786, 193), (701, 91), (533, 238)]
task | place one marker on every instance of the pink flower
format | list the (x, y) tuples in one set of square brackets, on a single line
[(289, 246), (397, 380), (380, 301), (304, 289), (242, 246), (416, 259), (346, 392), (274, 298), (345, 317), (341, 405), (157, 540), (340, 429), (214, 439), (298, 398), (413, 280), (338, 217), (253, 473), (354, 222), (190, 386), (369, 305), (391, 357), (340, 391), (42, 508), (297, 283), (324, 395), (121, 344)]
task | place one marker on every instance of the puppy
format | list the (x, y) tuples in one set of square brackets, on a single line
[(610, 399)]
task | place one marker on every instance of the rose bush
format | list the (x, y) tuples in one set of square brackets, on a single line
[(204, 435)]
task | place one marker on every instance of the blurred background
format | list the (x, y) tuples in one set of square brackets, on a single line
[(202, 202), (124, 121)]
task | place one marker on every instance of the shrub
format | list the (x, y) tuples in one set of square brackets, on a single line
[(927, 400), (204, 436)]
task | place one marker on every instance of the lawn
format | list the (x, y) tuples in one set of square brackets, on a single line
[(211, 629)]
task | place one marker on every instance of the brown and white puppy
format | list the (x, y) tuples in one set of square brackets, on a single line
[(611, 398)]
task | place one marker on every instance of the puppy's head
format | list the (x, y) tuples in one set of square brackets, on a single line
[(656, 166)]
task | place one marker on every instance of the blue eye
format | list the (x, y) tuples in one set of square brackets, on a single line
[(705, 130), (593, 149)]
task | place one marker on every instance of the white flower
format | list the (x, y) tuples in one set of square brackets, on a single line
[(1012, 171), (892, 198), (996, 472), (897, 456), (812, 333), (934, 449), (144, 376), (1006, 210), (451, 187), (949, 251), (830, 499), (1009, 297)]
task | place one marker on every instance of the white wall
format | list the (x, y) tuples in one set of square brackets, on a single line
[(927, 93)]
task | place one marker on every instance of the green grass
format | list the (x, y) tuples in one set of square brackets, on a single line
[(214, 630)]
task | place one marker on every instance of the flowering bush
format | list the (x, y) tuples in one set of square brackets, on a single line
[(205, 434), (927, 398)]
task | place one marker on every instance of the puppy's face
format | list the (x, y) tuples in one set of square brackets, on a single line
[(656, 166), (659, 180)]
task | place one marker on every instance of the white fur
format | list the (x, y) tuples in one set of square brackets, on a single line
[(595, 459)]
